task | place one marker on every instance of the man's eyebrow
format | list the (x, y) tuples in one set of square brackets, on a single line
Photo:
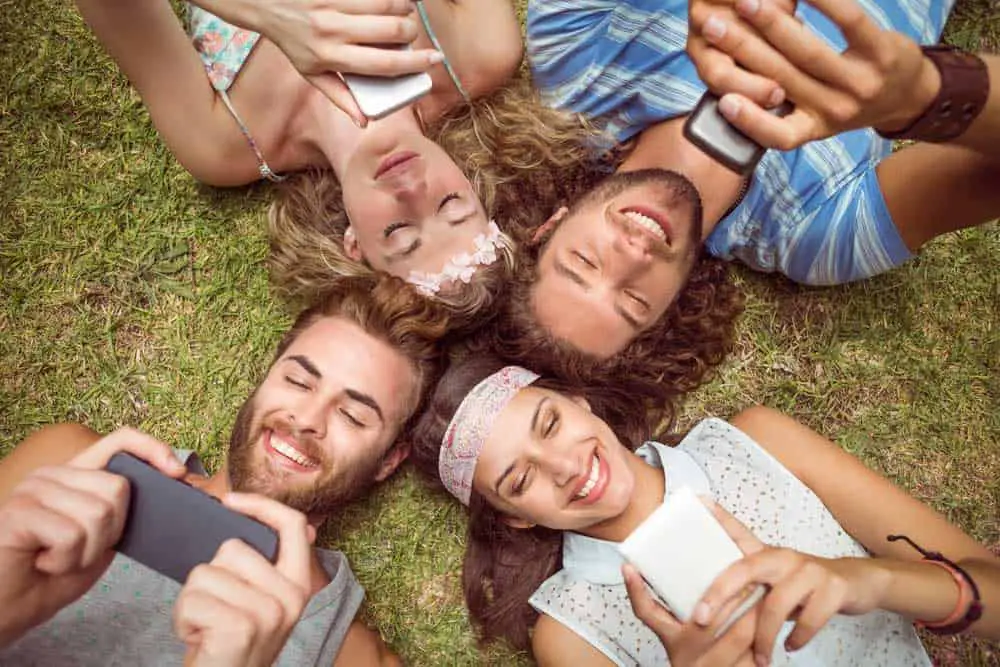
[(567, 272), (307, 365), (365, 399), (627, 316)]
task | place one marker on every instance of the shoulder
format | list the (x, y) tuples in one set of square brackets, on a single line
[(48, 446), (555, 644)]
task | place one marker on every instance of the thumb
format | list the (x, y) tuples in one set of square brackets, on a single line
[(336, 91)]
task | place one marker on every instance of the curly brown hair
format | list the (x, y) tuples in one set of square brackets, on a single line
[(673, 357), (503, 565), (517, 154)]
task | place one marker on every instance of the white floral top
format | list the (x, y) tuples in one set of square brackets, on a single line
[(588, 594)]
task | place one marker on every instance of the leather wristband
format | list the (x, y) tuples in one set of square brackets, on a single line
[(965, 87)]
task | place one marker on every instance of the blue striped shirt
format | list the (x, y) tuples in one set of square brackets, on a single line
[(815, 213)]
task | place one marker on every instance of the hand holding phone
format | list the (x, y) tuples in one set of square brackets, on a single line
[(707, 129), (173, 527), (58, 526), (379, 96), (239, 609), (680, 549)]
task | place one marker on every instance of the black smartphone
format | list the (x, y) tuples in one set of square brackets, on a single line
[(172, 527), (708, 129)]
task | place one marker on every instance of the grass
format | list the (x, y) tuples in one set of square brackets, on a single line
[(131, 295)]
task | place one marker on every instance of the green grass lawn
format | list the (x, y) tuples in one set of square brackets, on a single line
[(131, 295)]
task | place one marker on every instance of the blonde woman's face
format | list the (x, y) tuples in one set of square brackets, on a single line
[(411, 207)]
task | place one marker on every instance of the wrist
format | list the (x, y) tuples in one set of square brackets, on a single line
[(926, 90)]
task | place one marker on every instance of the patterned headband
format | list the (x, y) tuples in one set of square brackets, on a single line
[(471, 425), (462, 266)]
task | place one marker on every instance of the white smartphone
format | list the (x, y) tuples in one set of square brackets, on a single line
[(379, 96), (680, 549)]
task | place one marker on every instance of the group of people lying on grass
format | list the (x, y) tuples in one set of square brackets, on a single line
[(571, 273)]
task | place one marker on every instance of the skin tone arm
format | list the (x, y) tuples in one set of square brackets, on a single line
[(882, 80), (869, 507)]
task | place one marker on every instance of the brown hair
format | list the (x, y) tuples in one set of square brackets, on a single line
[(517, 154), (671, 358), (389, 309), (503, 565)]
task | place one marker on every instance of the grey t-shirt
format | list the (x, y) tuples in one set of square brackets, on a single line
[(126, 619)]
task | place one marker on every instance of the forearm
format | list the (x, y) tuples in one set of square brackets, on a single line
[(923, 591), (984, 133)]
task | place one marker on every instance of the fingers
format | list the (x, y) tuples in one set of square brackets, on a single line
[(822, 605), (722, 75), (783, 33), (294, 550), (374, 61), (382, 7), (216, 632), (337, 92), (782, 133), (94, 500), (858, 28), (647, 609), (243, 561), (372, 29), (30, 527), (744, 538), (765, 567), (134, 442)]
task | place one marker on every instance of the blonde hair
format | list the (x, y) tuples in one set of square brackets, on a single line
[(519, 156)]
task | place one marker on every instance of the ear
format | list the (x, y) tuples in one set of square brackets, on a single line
[(549, 225), (392, 459), (582, 402), (351, 246), (517, 522)]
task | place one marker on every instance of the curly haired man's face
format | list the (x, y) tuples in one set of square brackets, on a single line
[(618, 260)]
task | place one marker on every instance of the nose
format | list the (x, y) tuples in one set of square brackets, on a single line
[(561, 465), (632, 246), (309, 416)]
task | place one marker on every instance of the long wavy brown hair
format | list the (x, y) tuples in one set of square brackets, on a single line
[(518, 155), (503, 565)]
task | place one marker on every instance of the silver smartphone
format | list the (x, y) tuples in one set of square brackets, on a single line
[(379, 96), (708, 129)]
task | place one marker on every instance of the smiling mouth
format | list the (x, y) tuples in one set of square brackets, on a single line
[(286, 452), (650, 221), (597, 481)]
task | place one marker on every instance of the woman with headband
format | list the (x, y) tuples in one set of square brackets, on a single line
[(257, 94), (552, 485)]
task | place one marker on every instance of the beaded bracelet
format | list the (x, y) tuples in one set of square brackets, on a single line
[(969, 607)]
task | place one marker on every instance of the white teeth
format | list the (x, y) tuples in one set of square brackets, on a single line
[(595, 472), (289, 452), (647, 223)]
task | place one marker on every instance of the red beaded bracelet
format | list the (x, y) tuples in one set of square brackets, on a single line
[(969, 607)]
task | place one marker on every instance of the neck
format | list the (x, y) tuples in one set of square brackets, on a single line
[(648, 494), (334, 137), (663, 146)]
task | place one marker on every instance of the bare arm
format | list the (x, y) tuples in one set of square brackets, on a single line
[(50, 446), (555, 645), (363, 647), (869, 507)]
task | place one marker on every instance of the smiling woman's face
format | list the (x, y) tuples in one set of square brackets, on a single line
[(549, 460), (411, 207)]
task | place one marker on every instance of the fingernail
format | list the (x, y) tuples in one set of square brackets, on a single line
[(729, 107), (761, 660), (360, 122), (702, 614), (436, 57), (747, 7), (790, 646), (714, 28), (777, 97)]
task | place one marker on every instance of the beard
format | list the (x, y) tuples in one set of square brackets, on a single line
[(673, 189), (249, 472)]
